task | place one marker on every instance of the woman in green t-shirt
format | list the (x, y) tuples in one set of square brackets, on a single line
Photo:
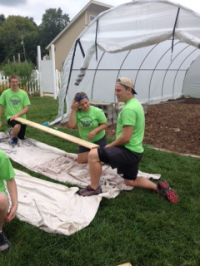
[(91, 122)]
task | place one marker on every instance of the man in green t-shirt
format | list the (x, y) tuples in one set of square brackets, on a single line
[(6, 174), (16, 104), (126, 151)]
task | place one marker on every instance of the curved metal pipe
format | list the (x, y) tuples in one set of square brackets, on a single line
[(180, 67)]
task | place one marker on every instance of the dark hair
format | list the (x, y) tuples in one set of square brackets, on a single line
[(13, 77), (79, 96)]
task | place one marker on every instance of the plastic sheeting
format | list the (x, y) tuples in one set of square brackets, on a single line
[(134, 40), (191, 85)]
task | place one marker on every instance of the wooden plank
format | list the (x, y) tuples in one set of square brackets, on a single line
[(59, 134), (125, 264)]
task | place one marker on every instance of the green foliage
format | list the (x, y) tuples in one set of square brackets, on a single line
[(12, 31), (23, 70), (53, 22), (138, 226), (2, 18)]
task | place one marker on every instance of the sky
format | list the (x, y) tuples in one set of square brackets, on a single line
[(36, 8)]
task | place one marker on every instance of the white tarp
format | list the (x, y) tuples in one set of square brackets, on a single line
[(60, 165), (54, 207), (127, 28)]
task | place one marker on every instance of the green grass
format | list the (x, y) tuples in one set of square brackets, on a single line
[(138, 226)]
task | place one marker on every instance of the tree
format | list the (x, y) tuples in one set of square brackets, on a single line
[(12, 31), (53, 22), (2, 18)]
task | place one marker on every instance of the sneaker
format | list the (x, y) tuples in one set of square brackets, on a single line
[(168, 193), (88, 191), (4, 243), (13, 141)]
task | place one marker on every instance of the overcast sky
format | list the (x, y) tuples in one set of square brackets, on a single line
[(36, 8)]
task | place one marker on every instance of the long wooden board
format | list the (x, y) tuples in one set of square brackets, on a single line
[(59, 134)]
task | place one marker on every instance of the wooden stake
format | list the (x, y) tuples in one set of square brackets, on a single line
[(59, 134)]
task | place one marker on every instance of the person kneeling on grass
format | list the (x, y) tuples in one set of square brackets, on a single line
[(7, 174), (126, 151), (16, 103), (91, 122)]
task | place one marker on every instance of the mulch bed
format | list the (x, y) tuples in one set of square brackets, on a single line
[(173, 126)]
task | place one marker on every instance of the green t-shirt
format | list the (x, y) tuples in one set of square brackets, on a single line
[(132, 114), (88, 121), (14, 102), (6, 170)]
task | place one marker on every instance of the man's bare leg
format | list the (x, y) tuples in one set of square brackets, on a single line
[(82, 157), (3, 209), (15, 130), (95, 168), (141, 182)]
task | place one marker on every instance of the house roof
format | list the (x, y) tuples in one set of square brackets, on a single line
[(75, 18)]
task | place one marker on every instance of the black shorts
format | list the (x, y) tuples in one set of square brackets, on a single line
[(126, 161), (22, 131), (102, 143)]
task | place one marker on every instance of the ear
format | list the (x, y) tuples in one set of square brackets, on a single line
[(130, 90)]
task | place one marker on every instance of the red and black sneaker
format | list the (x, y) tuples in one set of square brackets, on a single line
[(88, 191), (168, 193)]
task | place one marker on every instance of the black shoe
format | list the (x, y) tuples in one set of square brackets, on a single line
[(13, 141), (4, 243), (88, 191)]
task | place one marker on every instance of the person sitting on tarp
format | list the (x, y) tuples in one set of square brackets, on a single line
[(16, 104), (126, 151), (6, 214), (91, 122)]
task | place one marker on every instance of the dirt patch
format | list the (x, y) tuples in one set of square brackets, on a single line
[(174, 126)]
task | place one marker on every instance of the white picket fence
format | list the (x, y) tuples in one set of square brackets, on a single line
[(33, 87)]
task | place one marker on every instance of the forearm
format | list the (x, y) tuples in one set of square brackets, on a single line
[(121, 141), (72, 120), (12, 189), (100, 128), (22, 112), (123, 138), (0, 111)]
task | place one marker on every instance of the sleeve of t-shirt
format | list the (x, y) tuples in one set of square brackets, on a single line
[(2, 99), (129, 117), (101, 118), (6, 168), (26, 100)]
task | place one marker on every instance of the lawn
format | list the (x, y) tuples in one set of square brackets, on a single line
[(138, 226)]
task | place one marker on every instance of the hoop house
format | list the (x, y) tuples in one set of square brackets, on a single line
[(152, 42)]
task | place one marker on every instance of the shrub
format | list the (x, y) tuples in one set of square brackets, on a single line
[(23, 70)]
